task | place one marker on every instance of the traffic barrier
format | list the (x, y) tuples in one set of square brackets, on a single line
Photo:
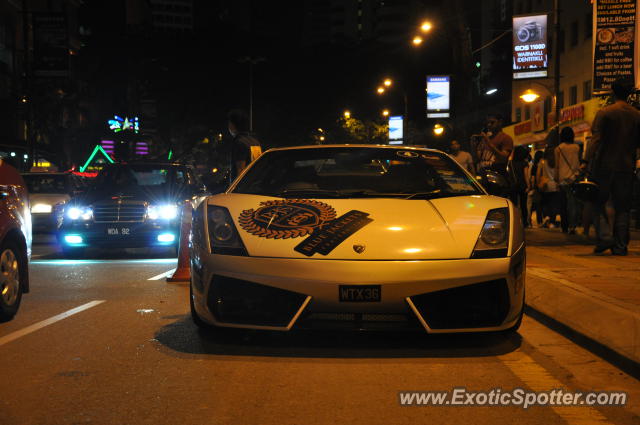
[(183, 269)]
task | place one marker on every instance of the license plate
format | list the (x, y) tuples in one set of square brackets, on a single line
[(118, 231), (360, 293)]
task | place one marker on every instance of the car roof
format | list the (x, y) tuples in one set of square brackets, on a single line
[(396, 147)]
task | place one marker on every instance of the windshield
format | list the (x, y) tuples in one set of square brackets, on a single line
[(356, 172), (136, 175), (46, 183)]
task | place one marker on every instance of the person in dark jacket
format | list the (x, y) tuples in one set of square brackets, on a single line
[(612, 156), (520, 165)]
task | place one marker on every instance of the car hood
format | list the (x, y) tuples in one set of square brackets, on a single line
[(48, 198), (359, 229)]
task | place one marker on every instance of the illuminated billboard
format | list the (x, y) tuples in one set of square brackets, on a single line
[(438, 96), (395, 130), (616, 51), (530, 58)]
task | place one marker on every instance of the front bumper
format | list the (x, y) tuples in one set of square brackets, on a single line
[(440, 296), (120, 235)]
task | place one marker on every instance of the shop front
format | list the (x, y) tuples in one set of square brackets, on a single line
[(579, 116)]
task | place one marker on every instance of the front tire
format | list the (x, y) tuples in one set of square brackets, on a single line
[(13, 269)]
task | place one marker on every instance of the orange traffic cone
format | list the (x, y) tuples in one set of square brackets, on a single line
[(183, 270)]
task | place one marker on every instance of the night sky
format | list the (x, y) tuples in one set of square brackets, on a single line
[(197, 78)]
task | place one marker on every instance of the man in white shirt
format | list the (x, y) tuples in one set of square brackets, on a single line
[(463, 158)]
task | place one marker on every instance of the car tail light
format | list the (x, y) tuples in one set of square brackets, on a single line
[(223, 236), (493, 241)]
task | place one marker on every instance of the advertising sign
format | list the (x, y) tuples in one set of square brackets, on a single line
[(537, 116), (530, 59), (438, 96), (50, 45), (614, 46), (395, 130)]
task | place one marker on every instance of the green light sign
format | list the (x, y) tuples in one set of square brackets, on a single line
[(97, 149)]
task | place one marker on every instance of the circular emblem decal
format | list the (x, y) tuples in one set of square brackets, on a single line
[(287, 218)]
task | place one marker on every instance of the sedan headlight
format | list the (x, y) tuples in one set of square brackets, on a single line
[(164, 212), (493, 241), (41, 208), (79, 213), (223, 236)]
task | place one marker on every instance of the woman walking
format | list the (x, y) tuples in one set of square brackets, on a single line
[(534, 198), (549, 188)]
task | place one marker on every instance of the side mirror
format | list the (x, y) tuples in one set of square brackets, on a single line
[(495, 183)]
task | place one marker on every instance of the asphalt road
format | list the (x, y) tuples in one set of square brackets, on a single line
[(126, 352)]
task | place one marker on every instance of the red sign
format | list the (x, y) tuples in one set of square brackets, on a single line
[(522, 128), (572, 113)]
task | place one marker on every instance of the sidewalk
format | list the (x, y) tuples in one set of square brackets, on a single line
[(597, 296)]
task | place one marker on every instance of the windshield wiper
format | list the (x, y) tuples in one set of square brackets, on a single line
[(339, 193), (438, 194), (307, 192), (424, 195)]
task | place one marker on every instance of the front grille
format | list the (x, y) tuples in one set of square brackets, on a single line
[(359, 321), (119, 213), (480, 305), (243, 302)]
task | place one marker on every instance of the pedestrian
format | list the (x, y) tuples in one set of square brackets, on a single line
[(462, 157), (548, 186), (612, 156), (534, 198), (567, 159), (520, 172), (495, 146), (245, 146)]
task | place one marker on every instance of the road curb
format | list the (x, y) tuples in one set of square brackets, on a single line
[(612, 323)]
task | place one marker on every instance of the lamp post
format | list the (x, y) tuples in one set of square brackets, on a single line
[(251, 61), (388, 83)]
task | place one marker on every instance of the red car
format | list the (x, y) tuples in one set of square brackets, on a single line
[(15, 240)]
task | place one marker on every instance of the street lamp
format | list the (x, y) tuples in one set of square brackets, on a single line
[(529, 96), (347, 114), (426, 26), (438, 130), (380, 90), (417, 40), (387, 82), (385, 113)]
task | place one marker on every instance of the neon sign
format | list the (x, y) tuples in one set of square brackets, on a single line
[(118, 124)]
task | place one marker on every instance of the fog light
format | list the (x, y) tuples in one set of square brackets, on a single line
[(166, 237), (73, 239)]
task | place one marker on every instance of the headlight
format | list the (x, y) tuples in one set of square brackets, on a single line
[(41, 208), (77, 213), (493, 241), (223, 236), (165, 212)]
